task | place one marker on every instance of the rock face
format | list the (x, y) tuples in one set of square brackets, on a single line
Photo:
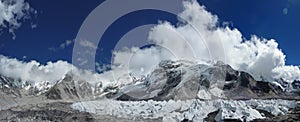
[(185, 80), (8, 87), (45, 112), (64, 89)]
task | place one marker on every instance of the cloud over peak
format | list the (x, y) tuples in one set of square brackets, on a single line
[(197, 37), (33, 70)]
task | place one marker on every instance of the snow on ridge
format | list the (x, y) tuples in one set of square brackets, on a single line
[(195, 110)]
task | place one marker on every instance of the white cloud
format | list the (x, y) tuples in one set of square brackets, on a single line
[(62, 45), (12, 12), (102, 67), (198, 38), (141, 61), (65, 44), (34, 72), (286, 72), (87, 44), (52, 49)]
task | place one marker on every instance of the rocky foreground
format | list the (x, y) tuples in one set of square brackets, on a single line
[(194, 110)]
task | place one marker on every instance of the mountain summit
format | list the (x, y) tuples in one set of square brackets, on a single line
[(182, 80)]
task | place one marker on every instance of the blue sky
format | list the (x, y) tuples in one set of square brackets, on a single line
[(58, 21)]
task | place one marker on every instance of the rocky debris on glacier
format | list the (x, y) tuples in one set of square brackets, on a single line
[(191, 110), (155, 111)]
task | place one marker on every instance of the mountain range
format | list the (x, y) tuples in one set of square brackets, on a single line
[(216, 89)]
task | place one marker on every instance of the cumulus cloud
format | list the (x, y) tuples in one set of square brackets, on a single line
[(33, 70), (52, 72), (197, 37), (140, 62), (12, 12)]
